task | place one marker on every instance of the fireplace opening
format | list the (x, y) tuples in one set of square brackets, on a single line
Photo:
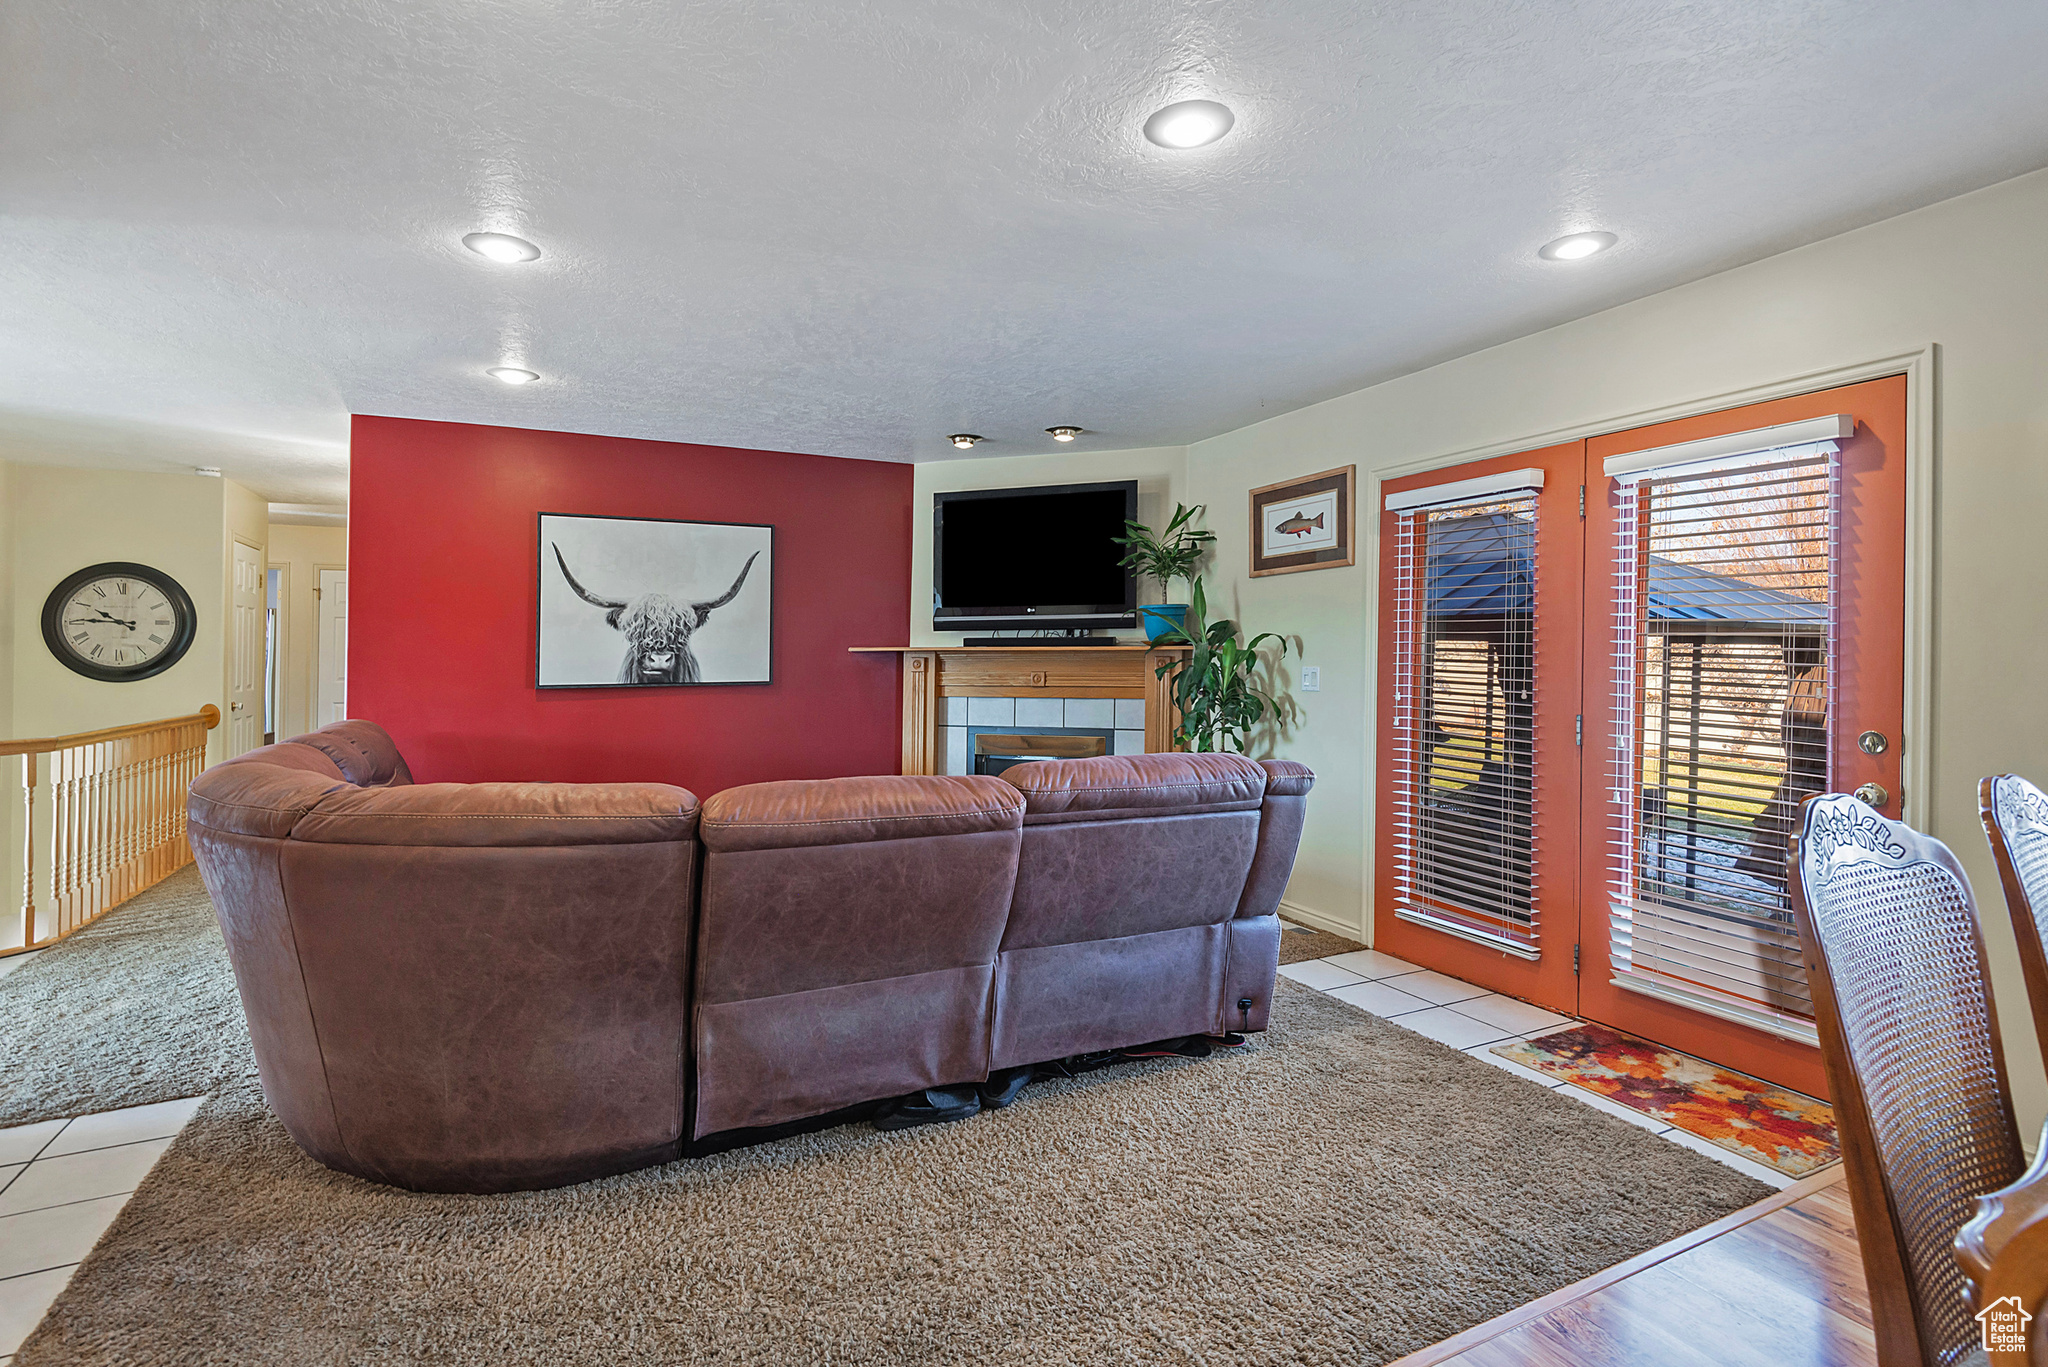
[(994, 749)]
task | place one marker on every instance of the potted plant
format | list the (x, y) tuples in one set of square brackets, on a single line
[(1165, 556), (1219, 701)]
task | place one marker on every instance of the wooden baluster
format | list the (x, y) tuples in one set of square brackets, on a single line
[(60, 834), (124, 820), (57, 835), (128, 822), (64, 875), (116, 792), (76, 764), (152, 810), (28, 850), (98, 838)]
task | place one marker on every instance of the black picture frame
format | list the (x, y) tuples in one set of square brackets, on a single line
[(185, 621), (600, 598)]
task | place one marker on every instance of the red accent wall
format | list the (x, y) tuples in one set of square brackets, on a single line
[(443, 602)]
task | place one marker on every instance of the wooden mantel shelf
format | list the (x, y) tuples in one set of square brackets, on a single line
[(934, 673)]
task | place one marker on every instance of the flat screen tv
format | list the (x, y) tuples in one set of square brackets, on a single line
[(1033, 559)]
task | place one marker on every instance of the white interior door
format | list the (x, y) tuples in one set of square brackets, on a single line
[(245, 673), (332, 651)]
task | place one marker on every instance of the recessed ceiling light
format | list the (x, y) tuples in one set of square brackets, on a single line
[(511, 374), (501, 247), (1064, 433), (1191, 123), (1577, 246), (964, 440)]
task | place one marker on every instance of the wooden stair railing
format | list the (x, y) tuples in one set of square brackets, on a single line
[(115, 822)]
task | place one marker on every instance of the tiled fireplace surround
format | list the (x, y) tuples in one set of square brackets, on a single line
[(1124, 716)]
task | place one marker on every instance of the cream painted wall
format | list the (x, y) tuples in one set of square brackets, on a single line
[(57, 519), (1967, 275), (1161, 472), (7, 497), (64, 519), (301, 551), (10, 774)]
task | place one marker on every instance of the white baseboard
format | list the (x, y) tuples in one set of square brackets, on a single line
[(1316, 920)]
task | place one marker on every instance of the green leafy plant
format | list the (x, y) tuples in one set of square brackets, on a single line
[(1168, 555), (1219, 699)]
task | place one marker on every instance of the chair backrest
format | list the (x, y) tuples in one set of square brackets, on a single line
[(1910, 1040), (2015, 816)]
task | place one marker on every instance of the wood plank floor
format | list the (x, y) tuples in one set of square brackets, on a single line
[(1779, 1284)]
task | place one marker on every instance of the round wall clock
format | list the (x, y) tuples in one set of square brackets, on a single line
[(119, 622)]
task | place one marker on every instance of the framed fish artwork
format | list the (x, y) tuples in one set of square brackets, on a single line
[(1304, 524)]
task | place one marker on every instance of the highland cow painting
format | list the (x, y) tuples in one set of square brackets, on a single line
[(632, 602)]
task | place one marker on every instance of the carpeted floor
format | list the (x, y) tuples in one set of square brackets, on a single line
[(138, 1007), (1342, 1191), (1298, 943)]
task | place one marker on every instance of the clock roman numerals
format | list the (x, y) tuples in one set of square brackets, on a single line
[(118, 622)]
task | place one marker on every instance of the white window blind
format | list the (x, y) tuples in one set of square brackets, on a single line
[(1725, 636), (1464, 714)]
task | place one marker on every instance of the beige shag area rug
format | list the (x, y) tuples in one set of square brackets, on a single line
[(138, 1007), (1341, 1191)]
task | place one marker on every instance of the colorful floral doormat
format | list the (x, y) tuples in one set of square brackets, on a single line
[(1780, 1129)]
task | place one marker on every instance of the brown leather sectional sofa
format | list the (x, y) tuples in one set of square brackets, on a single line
[(504, 986)]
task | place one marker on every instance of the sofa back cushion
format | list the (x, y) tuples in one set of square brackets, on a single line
[(801, 813), (824, 882), (1135, 785), (501, 814), (1131, 845), (846, 942), (362, 750)]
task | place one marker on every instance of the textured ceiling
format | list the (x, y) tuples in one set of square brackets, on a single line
[(854, 227)]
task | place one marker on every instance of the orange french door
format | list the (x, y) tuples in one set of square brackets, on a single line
[(1477, 864), (1610, 671), (1752, 654)]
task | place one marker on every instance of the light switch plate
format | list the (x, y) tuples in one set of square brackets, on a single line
[(1311, 679)]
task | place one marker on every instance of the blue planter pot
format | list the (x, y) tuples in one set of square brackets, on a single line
[(1159, 619)]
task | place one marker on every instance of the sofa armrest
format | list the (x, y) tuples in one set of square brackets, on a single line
[(1280, 821)]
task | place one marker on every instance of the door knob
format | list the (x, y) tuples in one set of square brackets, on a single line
[(1873, 742), (1874, 794)]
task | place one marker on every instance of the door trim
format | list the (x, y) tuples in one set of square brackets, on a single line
[(1921, 368), (313, 722)]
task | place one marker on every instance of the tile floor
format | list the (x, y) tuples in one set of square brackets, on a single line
[(62, 1182), (1473, 1019)]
